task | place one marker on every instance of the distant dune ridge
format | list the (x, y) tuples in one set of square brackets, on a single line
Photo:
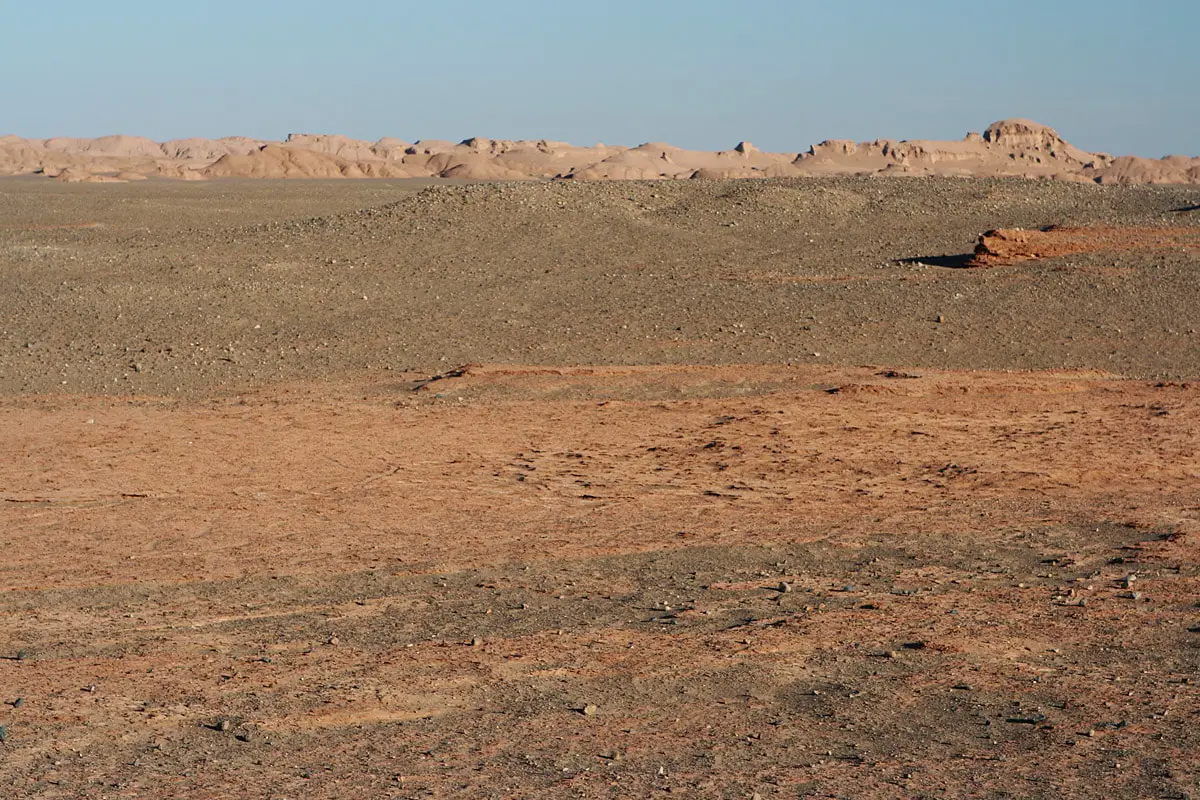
[(1012, 147)]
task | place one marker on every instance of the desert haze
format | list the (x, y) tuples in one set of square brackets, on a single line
[(1014, 147)]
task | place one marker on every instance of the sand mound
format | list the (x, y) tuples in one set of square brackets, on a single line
[(75, 175), (209, 149), (481, 170), (338, 146), (276, 161), (70, 175), (390, 149), (1007, 148), (656, 160), (1131, 169), (116, 146)]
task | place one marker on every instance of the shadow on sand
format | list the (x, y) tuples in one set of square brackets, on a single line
[(950, 262)]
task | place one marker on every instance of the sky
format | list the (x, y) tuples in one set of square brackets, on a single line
[(1110, 75)]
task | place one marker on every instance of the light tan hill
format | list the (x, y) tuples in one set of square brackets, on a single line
[(336, 145), (390, 149), (656, 160), (1015, 147), (77, 175), (1008, 148), (277, 161), (1131, 169), (543, 158), (209, 150), (115, 146)]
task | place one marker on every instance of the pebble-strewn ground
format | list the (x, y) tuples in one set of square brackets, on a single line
[(719, 509), (180, 288)]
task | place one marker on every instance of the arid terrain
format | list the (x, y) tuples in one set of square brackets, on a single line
[(715, 489), (1006, 148)]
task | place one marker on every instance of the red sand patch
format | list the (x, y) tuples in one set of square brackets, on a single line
[(1004, 247)]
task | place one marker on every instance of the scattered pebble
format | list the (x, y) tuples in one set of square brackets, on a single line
[(1030, 719), (590, 710)]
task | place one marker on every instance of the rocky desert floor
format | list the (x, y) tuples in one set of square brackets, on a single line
[(329, 489)]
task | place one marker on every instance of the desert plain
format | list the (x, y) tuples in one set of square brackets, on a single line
[(424, 487)]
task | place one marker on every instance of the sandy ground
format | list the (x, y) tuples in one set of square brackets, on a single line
[(895, 569)]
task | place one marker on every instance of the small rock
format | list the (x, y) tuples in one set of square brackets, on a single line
[(3, 734), (477, 642), (22, 655), (1031, 719), (784, 587), (1128, 580), (590, 710), (224, 725), (334, 640), (940, 319)]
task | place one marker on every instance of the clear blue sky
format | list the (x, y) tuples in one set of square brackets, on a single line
[(1109, 74)]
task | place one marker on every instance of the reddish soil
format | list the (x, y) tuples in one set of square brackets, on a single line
[(263, 540), (516, 582), (1013, 246)]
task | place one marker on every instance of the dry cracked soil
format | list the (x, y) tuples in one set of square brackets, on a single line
[(704, 489)]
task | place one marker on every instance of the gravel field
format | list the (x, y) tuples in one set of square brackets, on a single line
[(182, 288), (358, 489)]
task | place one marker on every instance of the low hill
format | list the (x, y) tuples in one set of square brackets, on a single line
[(1009, 148)]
